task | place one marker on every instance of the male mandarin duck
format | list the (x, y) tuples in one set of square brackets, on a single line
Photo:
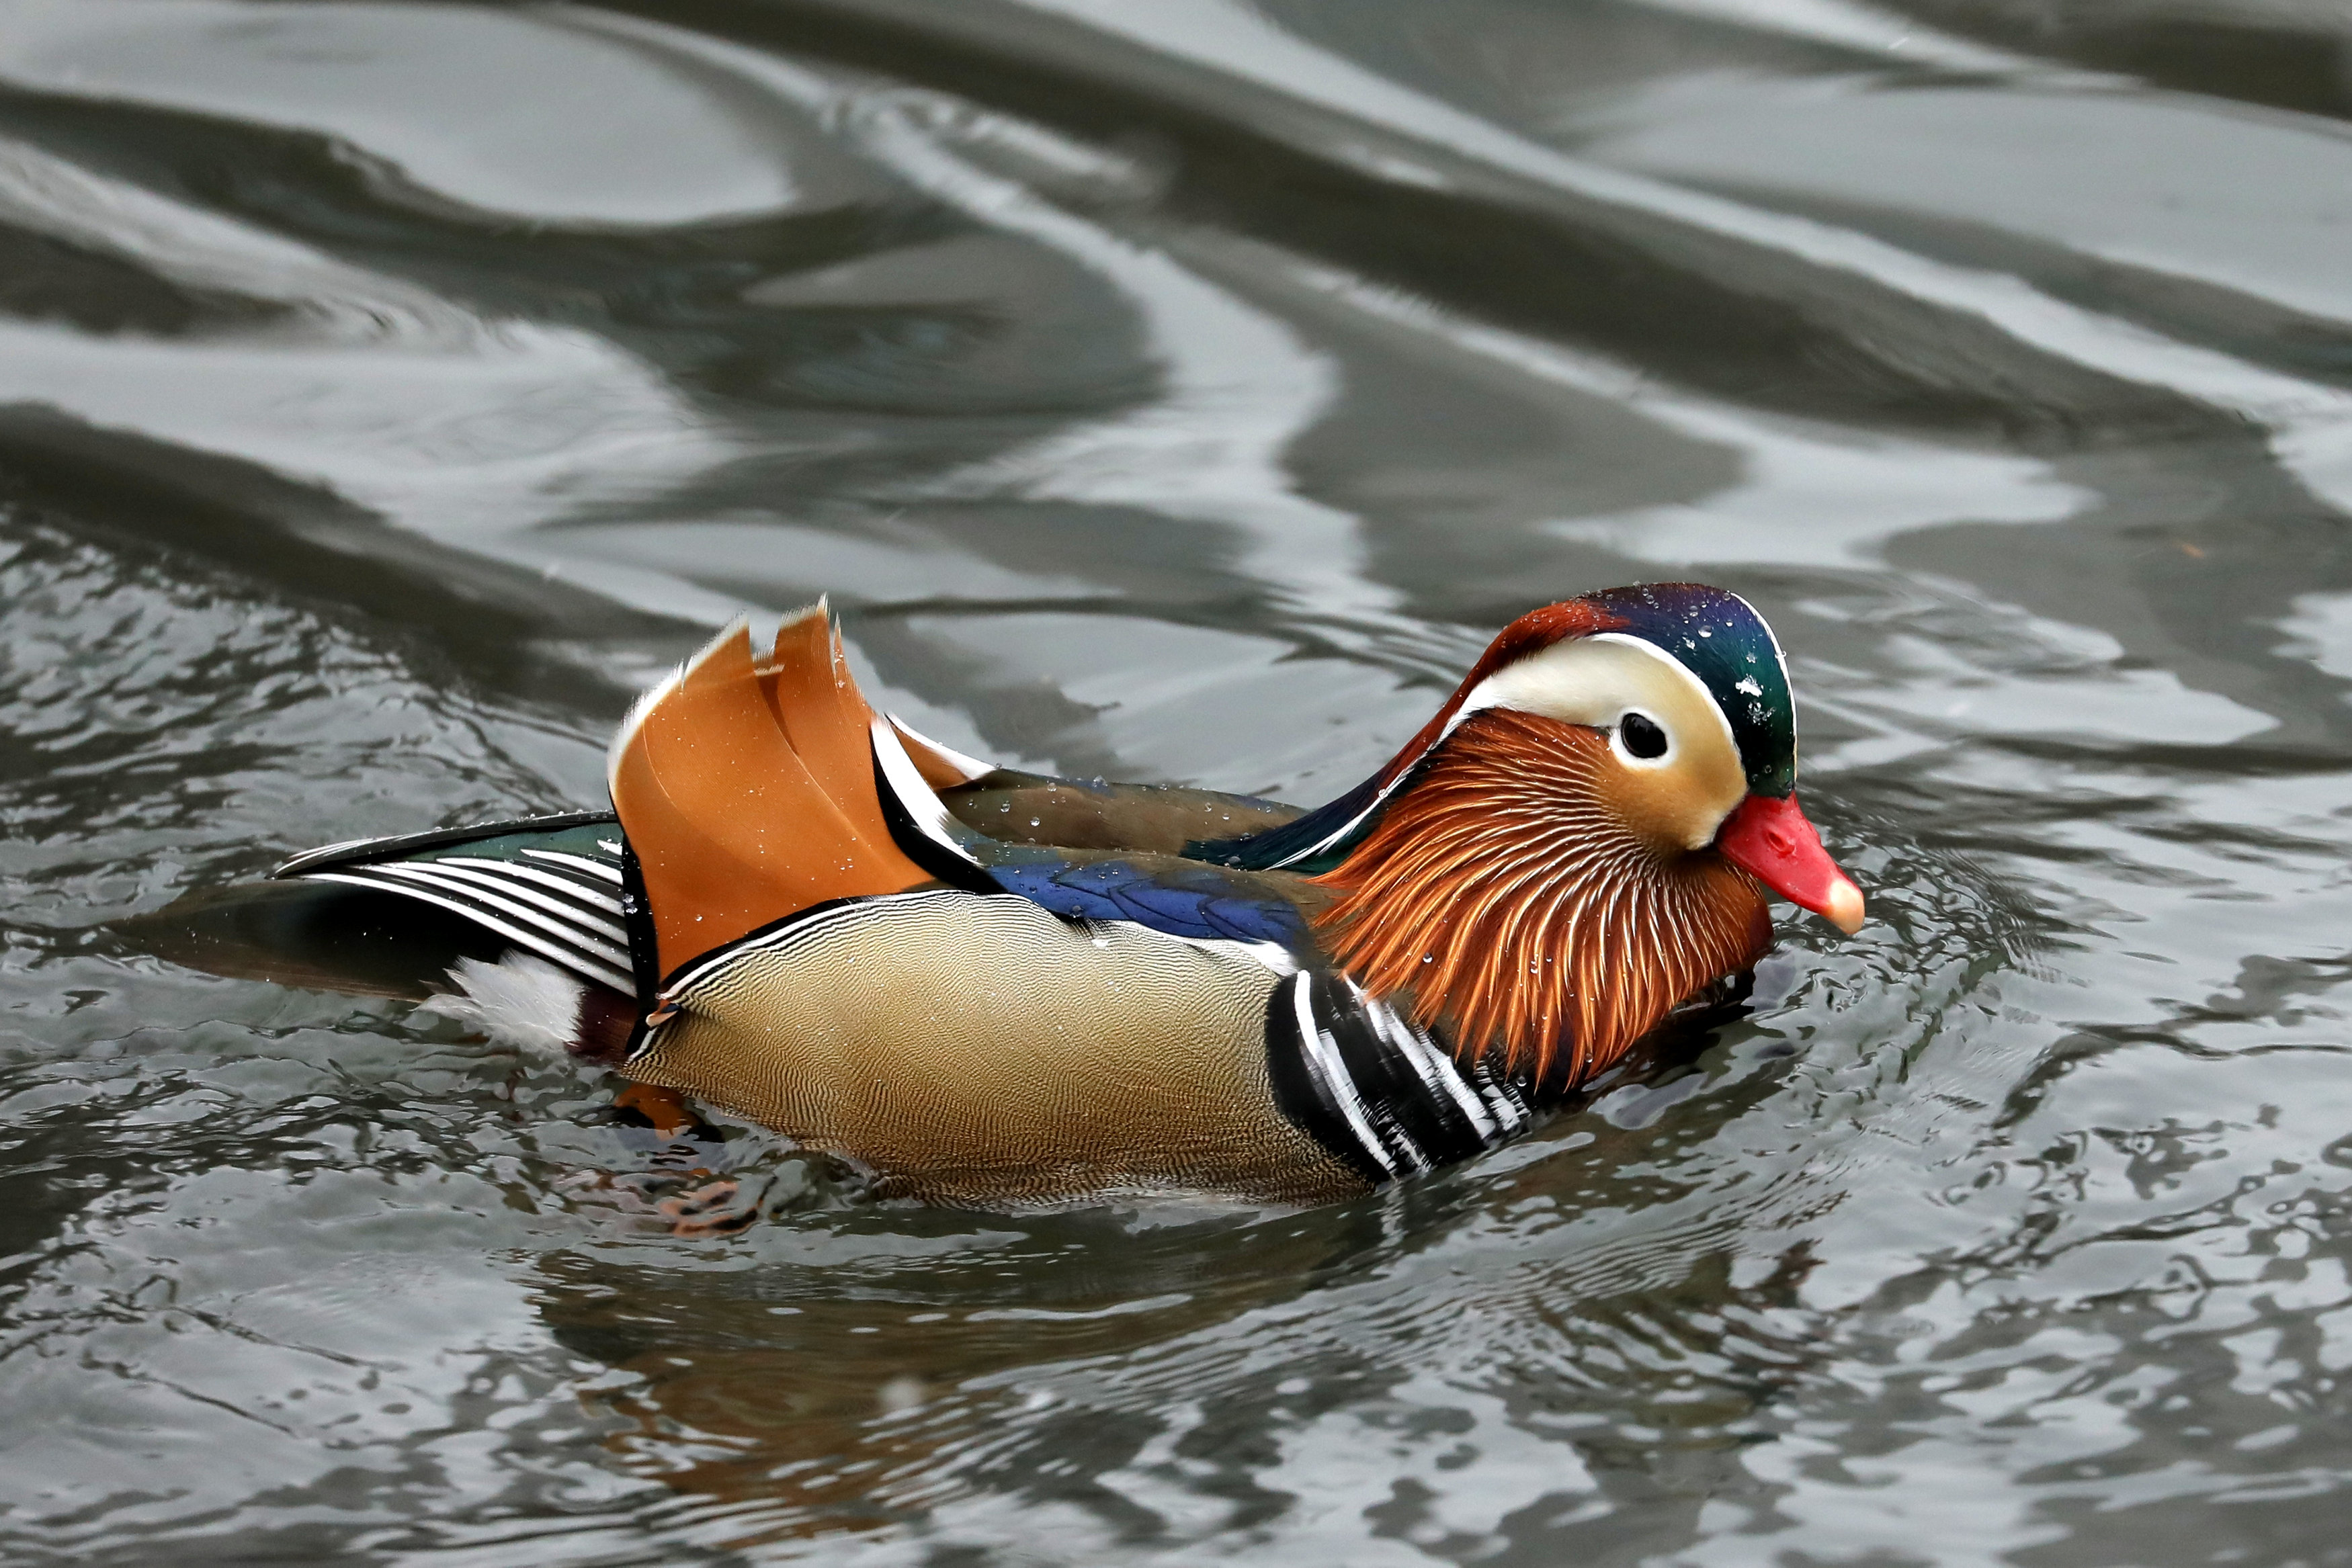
[(992, 987)]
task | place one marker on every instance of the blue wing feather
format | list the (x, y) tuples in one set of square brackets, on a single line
[(1195, 901), (1181, 898)]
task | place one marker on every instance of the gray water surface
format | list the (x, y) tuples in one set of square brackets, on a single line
[(1186, 390)]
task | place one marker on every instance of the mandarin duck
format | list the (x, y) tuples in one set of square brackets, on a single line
[(993, 988)]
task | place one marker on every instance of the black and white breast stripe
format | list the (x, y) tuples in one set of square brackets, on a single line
[(1375, 1088), (563, 904)]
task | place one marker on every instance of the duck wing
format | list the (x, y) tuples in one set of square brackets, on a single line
[(390, 916), (748, 789), (1093, 814), (1160, 890)]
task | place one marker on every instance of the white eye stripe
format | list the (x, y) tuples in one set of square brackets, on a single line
[(1594, 680)]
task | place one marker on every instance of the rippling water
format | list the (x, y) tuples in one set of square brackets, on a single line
[(1186, 389)]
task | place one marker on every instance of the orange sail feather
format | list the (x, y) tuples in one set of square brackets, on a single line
[(747, 790)]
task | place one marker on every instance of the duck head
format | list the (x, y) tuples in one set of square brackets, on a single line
[(1583, 836)]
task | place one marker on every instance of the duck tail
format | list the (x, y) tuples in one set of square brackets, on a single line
[(527, 1004)]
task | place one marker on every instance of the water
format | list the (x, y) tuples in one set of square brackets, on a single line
[(1186, 390)]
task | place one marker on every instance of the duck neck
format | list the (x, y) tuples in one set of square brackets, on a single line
[(1498, 895)]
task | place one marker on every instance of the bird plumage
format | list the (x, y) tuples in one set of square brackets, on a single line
[(989, 987), (1503, 895)]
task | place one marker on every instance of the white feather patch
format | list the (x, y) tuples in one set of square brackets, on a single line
[(522, 1002)]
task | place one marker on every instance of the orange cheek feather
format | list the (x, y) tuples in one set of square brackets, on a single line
[(1507, 892)]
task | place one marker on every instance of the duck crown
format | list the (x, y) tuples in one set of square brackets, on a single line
[(1711, 633), (1718, 637)]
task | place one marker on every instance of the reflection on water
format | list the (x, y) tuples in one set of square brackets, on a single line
[(1187, 391)]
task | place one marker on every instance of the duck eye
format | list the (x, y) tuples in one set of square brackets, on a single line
[(1641, 736)]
